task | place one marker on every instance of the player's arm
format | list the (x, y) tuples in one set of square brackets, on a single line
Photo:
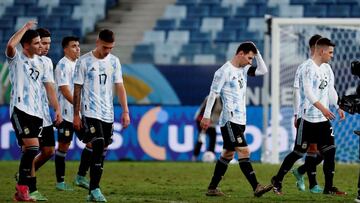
[(296, 104), (15, 39), (76, 105), (78, 85), (333, 96), (261, 66), (65, 91), (121, 92), (51, 94), (216, 86)]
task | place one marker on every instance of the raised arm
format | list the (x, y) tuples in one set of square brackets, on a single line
[(125, 118), (261, 66), (15, 39)]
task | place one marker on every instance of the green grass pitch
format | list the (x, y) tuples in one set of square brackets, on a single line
[(177, 182)]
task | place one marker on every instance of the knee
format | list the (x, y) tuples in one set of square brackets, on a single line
[(328, 152), (48, 152), (228, 154), (243, 152)]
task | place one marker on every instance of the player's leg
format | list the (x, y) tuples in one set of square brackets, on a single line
[(65, 135), (311, 161), (85, 160), (199, 142), (222, 164), (212, 139), (243, 151), (298, 152), (27, 136), (358, 185), (95, 132), (47, 146), (328, 150)]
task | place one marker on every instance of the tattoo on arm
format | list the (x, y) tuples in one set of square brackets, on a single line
[(77, 98)]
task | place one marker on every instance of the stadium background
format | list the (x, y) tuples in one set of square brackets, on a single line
[(169, 50)]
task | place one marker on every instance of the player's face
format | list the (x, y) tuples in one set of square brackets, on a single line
[(72, 50), (104, 48), (45, 45), (327, 54), (34, 47), (245, 59)]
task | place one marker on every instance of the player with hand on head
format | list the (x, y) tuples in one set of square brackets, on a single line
[(230, 82)]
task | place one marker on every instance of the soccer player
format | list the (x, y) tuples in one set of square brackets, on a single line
[(28, 76), (313, 158), (316, 92), (46, 137), (211, 131), (230, 82), (64, 74), (95, 74)]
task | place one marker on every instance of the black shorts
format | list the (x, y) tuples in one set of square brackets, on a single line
[(46, 138), (65, 132), (25, 125), (314, 133), (94, 128), (233, 136)]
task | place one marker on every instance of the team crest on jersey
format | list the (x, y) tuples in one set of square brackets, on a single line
[(304, 145), (26, 130)]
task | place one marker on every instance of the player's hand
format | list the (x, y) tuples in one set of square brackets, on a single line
[(341, 114), (295, 121), (58, 118), (125, 119), (205, 122), (328, 114), (30, 24), (77, 122)]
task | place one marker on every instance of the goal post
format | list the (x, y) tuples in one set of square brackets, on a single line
[(289, 48)]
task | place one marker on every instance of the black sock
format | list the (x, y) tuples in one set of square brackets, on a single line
[(220, 169), (96, 162), (103, 157), (25, 166), (359, 184), (248, 171), (85, 161), (310, 163), (60, 166), (302, 169), (329, 168), (288, 162), (32, 184)]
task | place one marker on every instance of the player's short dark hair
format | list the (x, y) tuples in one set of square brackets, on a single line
[(314, 39), (107, 35), (43, 32), (66, 40), (325, 42), (28, 36), (246, 47)]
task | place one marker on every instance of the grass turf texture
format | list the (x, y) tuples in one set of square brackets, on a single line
[(177, 182)]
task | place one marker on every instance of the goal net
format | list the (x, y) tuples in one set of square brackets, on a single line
[(289, 48)]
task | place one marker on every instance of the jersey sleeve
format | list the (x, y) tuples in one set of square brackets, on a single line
[(117, 75), (297, 78), (79, 75), (61, 75), (218, 81), (48, 71)]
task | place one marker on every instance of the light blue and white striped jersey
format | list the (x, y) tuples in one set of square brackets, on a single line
[(297, 83), (97, 77), (64, 75), (26, 77), (320, 79), (49, 73), (231, 82)]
